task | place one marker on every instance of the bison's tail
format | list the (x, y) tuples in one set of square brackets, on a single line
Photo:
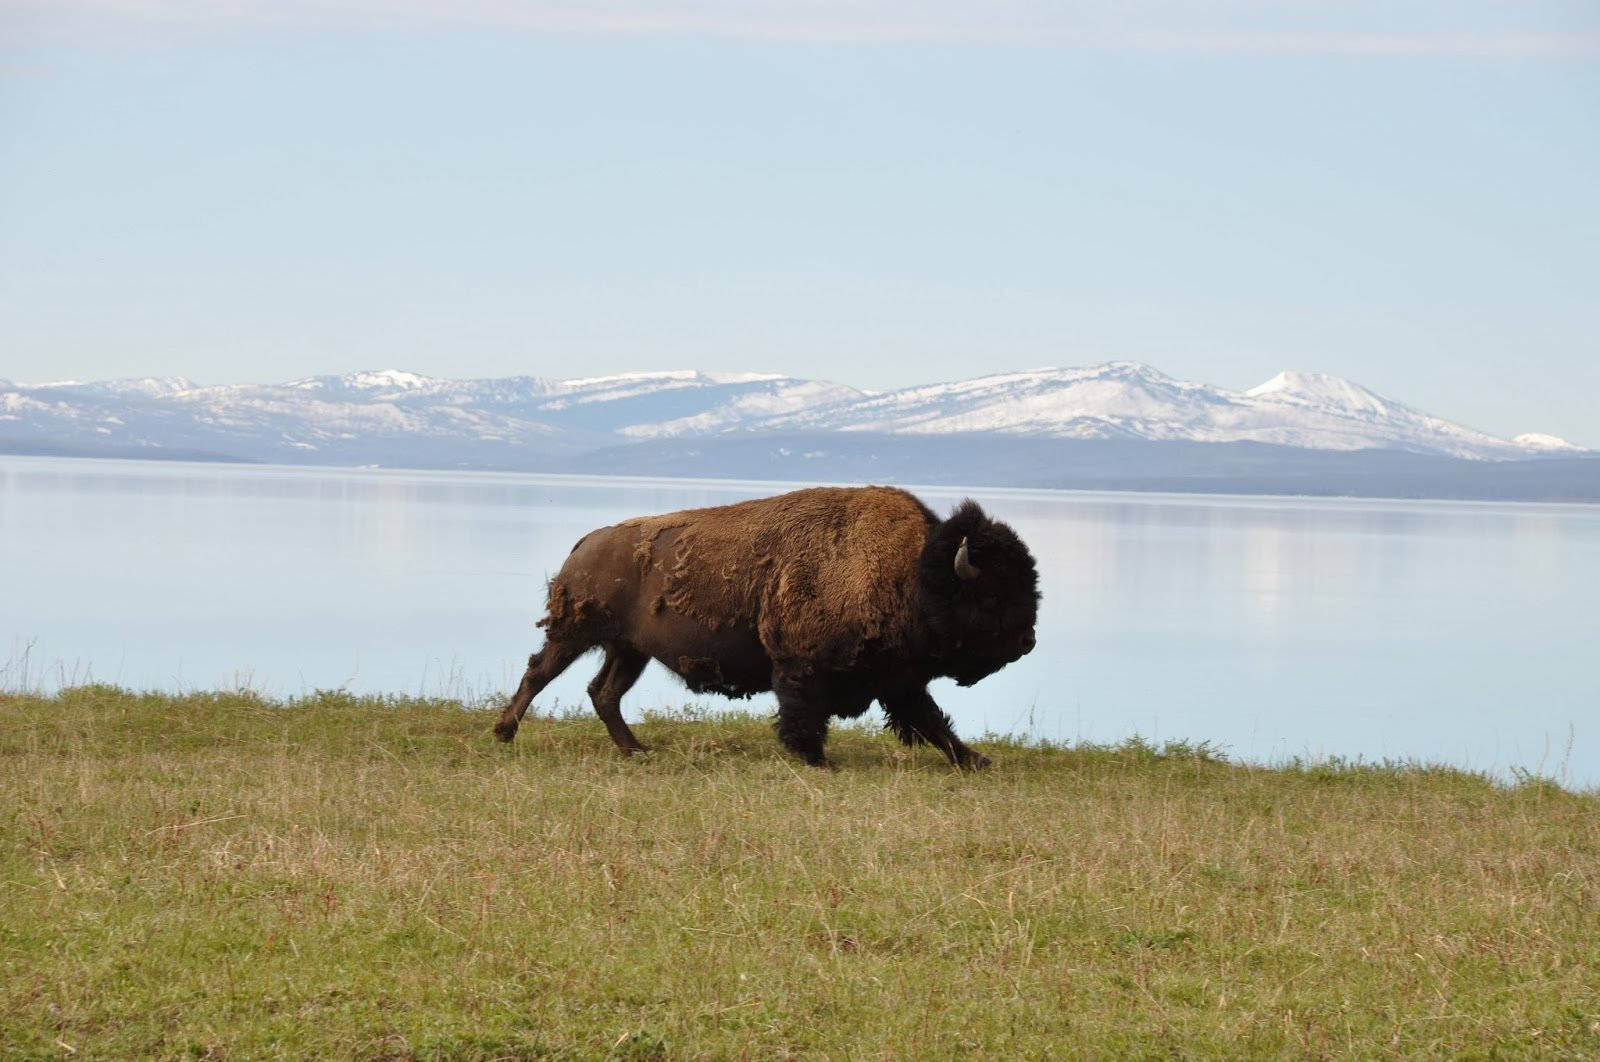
[(570, 618)]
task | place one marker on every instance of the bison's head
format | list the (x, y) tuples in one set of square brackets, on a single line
[(978, 594)]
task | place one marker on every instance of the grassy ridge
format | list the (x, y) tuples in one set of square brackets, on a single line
[(215, 875)]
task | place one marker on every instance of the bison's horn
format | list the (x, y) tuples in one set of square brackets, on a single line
[(964, 569)]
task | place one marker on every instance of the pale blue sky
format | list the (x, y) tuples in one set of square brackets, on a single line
[(1407, 194)]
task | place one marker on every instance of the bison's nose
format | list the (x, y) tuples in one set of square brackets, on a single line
[(1028, 644)]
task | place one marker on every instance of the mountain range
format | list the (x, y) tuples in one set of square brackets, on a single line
[(1117, 423)]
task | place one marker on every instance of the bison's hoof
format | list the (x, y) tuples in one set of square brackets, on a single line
[(505, 731)]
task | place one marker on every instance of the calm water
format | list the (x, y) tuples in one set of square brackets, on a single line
[(1463, 633)]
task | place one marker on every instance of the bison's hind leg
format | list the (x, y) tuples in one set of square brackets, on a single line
[(543, 667), (617, 675)]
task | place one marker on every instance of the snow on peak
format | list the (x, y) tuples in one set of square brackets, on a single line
[(150, 386), (631, 377), (1323, 389), (367, 380), (1121, 368), (743, 377), (1533, 440), (1030, 380), (386, 380)]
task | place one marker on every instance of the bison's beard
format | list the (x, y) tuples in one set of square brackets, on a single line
[(973, 673), (974, 667)]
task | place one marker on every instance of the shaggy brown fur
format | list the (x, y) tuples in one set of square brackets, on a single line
[(831, 596), (821, 571)]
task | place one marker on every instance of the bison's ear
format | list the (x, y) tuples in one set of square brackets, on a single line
[(964, 569)]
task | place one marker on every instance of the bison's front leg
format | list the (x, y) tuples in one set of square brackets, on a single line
[(802, 721), (915, 717)]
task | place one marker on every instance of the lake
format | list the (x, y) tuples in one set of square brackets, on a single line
[(1449, 632)]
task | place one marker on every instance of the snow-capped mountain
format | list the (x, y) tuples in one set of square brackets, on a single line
[(391, 417), (1537, 442), (1122, 400), (635, 405), (147, 386)]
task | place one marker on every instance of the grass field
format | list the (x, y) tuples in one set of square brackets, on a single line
[(214, 875)]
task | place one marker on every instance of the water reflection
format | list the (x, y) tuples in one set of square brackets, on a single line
[(1276, 627)]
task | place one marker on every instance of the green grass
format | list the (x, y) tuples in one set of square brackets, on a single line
[(215, 875)]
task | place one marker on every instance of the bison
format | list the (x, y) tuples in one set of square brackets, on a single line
[(832, 597)]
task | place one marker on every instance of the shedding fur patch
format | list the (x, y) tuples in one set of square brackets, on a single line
[(649, 530)]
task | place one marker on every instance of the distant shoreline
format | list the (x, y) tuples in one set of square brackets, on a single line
[(954, 462)]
